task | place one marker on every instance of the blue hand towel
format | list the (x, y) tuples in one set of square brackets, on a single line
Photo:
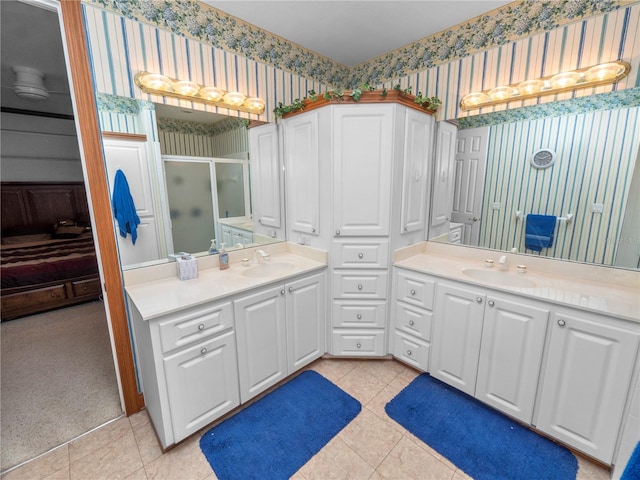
[(123, 207), (539, 232)]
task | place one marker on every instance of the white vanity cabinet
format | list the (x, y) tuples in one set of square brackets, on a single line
[(280, 329), (586, 380), (489, 346), (412, 317), (188, 367), (232, 236)]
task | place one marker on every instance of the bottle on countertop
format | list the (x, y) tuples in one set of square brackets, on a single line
[(224, 257), (213, 250)]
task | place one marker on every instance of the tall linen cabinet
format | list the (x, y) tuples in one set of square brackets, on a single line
[(357, 180)]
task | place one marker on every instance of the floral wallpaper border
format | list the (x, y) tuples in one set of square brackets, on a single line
[(603, 101), (199, 128), (116, 104), (521, 18)]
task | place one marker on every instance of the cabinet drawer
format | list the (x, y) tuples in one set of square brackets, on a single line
[(411, 351), (86, 287), (358, 343), (359, 285), (195, 324), (369, 314), (415, 289), (52, 294), (361, 254), (413, 321)]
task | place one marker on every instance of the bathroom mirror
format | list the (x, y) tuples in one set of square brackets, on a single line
[(198, 184), (593, 187)]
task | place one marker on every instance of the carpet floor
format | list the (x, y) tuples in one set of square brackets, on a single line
[(57, 380)]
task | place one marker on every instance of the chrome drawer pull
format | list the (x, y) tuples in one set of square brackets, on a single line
[(201, 326), (358, 345), (290, 289), (479, 299), (361, 255), (491, 303), (562, 323), (203, 351), (337, 232), (359, 287), (411, 322), (409, 352), (359, 316), (413, 292), (281, 292)]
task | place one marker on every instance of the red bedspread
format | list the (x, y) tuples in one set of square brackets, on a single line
[(47, 261)]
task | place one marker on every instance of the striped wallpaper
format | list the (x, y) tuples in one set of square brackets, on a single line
[(190, 144), (596, 155), (120, 47)]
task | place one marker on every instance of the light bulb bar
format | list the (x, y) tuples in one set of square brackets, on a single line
[(601, 74), (156, 84)]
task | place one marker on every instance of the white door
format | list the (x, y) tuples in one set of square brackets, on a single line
[(262, 343), (362, 159), (442, 192), (302, 173), (202, 382), (513, 336), (586, 382), (265, 176), (130, 156), (470, 163), (456, 337), (418, 146), (305, 321)]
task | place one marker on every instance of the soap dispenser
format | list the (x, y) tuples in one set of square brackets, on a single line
[(224, 258), (213, 249)]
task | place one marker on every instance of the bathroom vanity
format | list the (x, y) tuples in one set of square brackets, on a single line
[(555, 348)]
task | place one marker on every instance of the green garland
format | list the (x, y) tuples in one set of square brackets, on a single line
[(429, 103)]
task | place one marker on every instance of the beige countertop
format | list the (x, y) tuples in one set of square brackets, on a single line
[(159, 292), (593, 288)]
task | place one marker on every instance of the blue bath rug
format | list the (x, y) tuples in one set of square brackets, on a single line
[(632, 470), (278, 434), (476, 438)]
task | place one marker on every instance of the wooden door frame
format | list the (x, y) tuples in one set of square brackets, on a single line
[(81, 81)]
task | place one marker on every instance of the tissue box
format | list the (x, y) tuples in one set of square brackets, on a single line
[(187, 267)]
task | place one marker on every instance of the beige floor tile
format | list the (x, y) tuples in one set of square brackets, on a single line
[(184, 462), (336, 461), (588, 470), (140, 418), (361, 385), (116, 460), (376, 476), (146, 440), (383, 370), (333, 369), (378, 403), (137, 475), (98, 439), (370, 437), (62, 474), (408, 461), (41, 467), (430, 450), (460, 475), (212, 476)]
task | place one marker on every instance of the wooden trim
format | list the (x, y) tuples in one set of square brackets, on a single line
[(138, 137), (91, 144), (375, 96)]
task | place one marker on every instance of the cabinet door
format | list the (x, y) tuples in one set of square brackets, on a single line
[(302, 173), (262, 349), (457, 332), (265, 175), (442, 193), (415, 167), (305, 321), (227, 237), (362, 159), (510, 356), (202, 383), (586, 381)]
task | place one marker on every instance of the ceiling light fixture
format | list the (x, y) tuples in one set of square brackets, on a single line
[(29, 84), (156, 84), (602, 74)]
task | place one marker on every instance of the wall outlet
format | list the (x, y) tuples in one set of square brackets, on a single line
[(496, 205), (597, 207)]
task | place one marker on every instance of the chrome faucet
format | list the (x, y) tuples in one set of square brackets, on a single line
[(260, 253), (502, 261)]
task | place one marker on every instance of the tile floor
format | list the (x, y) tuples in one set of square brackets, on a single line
[(371, 447)]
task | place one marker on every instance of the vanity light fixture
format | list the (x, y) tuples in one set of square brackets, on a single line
[(156, 84), (596, 75)]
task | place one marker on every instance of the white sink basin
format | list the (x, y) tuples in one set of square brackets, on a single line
[(498, 277), (268, 269)]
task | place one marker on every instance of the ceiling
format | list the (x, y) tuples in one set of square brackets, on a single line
[(352, 32), (349, 32)]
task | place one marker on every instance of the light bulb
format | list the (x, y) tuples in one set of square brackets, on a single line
[(254, 103), (501, 93), (529, 87), (234, 98), (211, 93), (564, 79), (155, 81), (474, 98), (185, 87), (604, 71)]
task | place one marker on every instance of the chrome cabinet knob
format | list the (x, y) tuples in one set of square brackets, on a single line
[(409, 353), (337, 232), (479, 299), (359, 287), (358, 345), (313, 230), (260, 221), (203, 351), (361, 255), (290, 289), (411, 322), (201, 326), (281, 292), (406, 229), (413, 292), (562, 323), (359, 316), (491, 303)]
